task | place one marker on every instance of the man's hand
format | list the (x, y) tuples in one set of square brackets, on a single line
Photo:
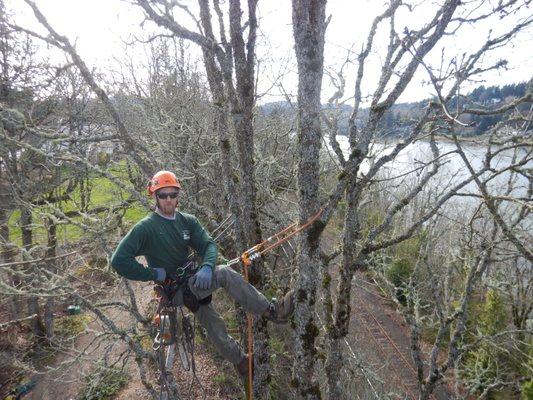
[(160, 274), (202, 279)]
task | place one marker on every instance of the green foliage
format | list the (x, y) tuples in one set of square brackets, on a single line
[(429, 332), (481, 368), (103, 159), (526, 390), (71, 325), (135, 213), (96, 270), (277, 348), (493, 317), (402, 115), (270, 292), (492, 97), (97, 191), (399, 272), (409, 249), (373, 217), (146, 342), (280, 359), (103, 383), (231, 321), (496, 357), (12, 120), (224, 379)]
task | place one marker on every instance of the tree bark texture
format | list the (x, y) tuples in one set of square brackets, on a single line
[(27, 243), (309, 27), (341, 317), (51, 252), (242, 113), (221, 125), (7, 256)]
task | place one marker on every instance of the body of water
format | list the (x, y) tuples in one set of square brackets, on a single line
[(406, 170), (453, 169)]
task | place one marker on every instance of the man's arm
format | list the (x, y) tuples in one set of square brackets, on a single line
[(123, 259)]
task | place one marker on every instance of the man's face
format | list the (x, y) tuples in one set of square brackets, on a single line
[(167, 200)]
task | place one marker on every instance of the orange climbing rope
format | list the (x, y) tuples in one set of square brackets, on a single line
[(249, 328), (260, 249), (254, 253)]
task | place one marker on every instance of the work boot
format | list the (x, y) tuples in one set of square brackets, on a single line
[(279, 311)]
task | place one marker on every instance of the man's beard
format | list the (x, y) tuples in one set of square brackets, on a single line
[(166, 209)]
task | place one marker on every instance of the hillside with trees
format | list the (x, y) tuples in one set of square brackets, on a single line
[(401, 117)]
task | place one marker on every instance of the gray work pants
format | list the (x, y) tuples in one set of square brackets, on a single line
[(242, 292)]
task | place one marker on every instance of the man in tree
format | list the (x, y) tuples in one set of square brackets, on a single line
[(164, 238)]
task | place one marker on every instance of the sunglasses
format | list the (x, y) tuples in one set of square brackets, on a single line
[(163, 196)]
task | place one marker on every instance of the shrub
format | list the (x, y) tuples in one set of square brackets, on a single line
[(103, 383), (493, 316), (527, 390), (71, 325), (494, 359), (398, 274)]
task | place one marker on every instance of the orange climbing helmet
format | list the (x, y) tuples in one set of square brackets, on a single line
[(163, 179)]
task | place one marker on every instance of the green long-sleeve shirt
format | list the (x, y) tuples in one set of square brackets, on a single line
[(164, 243)]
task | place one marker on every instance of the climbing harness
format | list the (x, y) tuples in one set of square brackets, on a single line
[(254, 253), (175, 332)]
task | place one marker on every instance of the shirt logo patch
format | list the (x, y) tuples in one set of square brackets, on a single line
[(186, 235)]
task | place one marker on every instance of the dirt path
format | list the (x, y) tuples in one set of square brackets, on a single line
[(377, 335), (384, 344), (64, 377)]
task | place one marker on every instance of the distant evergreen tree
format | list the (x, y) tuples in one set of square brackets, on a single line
[(491, 97), (476, 93), (398, 119)]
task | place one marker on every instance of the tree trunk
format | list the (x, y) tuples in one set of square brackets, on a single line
[(27, 243), (216, 86), (50, 303), (309, 27), (242, 112), (337, 333), (7, 256), (242, 104)]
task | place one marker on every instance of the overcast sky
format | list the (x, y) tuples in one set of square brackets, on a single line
[(97, 26)]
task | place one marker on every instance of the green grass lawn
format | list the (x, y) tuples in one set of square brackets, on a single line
[(101, 192)]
